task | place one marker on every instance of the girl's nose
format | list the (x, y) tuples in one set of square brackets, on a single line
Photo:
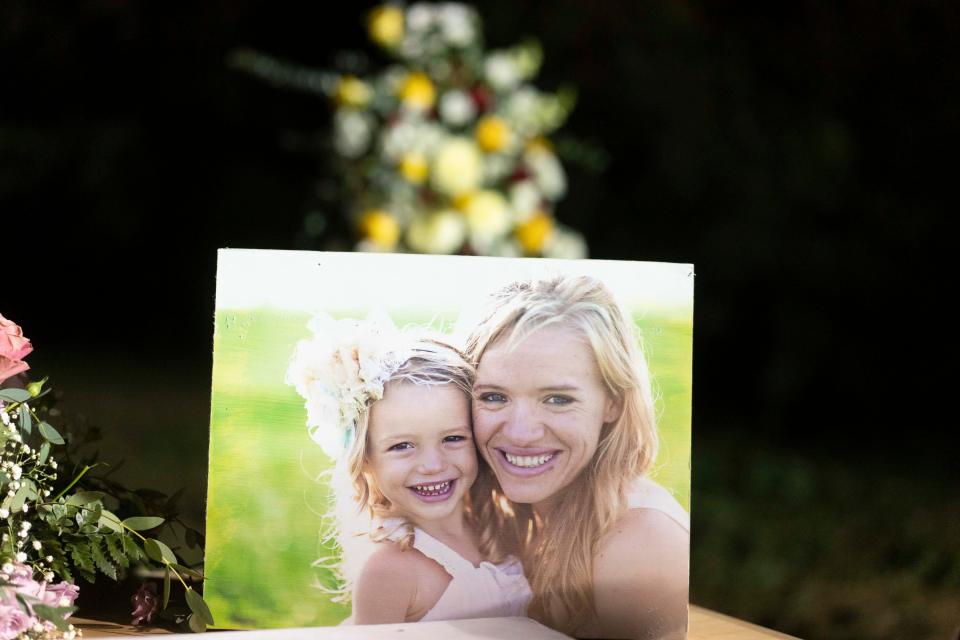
[(523, 426), (432, 460)]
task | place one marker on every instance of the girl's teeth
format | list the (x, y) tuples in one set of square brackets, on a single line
[(528, 461), (433, 489)]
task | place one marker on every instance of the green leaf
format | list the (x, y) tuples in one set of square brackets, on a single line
[(110, 521), (131, 548), (115, 549), (15, 395), (143, 523), (166, 586), (44, 453), (196, 624), (185, 570), (104, 565), (19, 498), (83, 498), (159, 551), (25, 422), (50, 433), (80, 554), (198, 606)]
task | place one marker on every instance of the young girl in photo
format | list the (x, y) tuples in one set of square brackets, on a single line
[(393, 410)]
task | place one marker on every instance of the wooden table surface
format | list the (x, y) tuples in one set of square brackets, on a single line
[(704, 625)]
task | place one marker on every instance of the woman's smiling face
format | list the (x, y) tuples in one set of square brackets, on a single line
[(539, 406), (421, 452)]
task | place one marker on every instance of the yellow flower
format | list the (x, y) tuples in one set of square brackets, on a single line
[(414, 167), (352, 92), (385, 25), (488, 217), (417, 91), (493, 134), (532, 234), (457, 167), (380, 228)]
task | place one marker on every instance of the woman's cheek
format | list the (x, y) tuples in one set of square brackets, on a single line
[(483, 427)]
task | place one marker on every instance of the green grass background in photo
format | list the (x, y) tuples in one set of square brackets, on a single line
[(264, 502)]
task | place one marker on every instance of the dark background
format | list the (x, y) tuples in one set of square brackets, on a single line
[(802, 156)]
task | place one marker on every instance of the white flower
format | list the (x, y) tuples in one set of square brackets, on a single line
[(457, 23), (7, 567), (437, 232), (340, 370), (4, 514), (53, 463), (457, 167), (457, 108), (501, 71), (524, 198), (566, 244), (5, 417), (21, 556), (25, 525), (25, 448), (37, 545), (547, 172), (419, 16), (49, 558), (26, 507), (488, 217), (352, 132)]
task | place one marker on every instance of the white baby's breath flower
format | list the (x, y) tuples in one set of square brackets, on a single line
[(25, 525), (21, 556), (4, 514), (5, 417), (25, 448), (7, 568), (53, 463), (37, 545), (26, 507), (49, 558)]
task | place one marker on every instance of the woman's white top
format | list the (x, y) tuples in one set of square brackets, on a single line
[(485, 591), (647, 494)]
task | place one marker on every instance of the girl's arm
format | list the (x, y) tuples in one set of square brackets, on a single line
[(387, 587), (641, 578)]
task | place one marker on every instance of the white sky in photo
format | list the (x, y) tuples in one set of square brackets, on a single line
[(318, 281)]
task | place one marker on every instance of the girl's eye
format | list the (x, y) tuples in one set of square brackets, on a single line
[(455, 438), (559, 401), (492, 396), (401, 446)]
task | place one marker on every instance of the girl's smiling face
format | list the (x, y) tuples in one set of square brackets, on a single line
[(539, 407), (421, 450)]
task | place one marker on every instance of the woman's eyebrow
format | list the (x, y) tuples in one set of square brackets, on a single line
[(486, 385), (560, 387)]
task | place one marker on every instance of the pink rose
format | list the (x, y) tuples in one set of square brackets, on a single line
[(13, 349), (61, 594), (13, 621)]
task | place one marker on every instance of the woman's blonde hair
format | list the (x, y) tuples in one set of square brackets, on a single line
[(562, 580), (361, 514)]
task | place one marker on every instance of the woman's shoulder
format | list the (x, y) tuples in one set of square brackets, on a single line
[(644, 493)]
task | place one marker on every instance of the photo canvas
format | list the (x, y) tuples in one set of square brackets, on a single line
[(404, 437)]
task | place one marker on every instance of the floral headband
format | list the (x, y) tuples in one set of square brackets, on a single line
[(341, 370)]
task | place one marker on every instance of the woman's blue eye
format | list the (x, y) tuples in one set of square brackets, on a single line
[(400, 446), (492, 396), (559, 400)]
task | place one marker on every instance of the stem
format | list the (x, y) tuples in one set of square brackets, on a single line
[(75, 481)]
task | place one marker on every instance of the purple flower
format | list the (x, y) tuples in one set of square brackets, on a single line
[(62, 594), (145, 603), (13, 621)]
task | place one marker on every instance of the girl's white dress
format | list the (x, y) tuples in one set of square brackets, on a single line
[(486, 591)]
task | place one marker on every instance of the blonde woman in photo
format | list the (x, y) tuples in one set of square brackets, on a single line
[(563, 414)]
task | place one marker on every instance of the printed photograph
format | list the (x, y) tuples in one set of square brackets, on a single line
[(403, 438)]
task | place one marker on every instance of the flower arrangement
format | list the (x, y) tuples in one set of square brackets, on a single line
[(54, 528), (447, 149)]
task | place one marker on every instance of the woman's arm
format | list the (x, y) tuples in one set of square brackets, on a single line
[(386, 589), (641, 578)]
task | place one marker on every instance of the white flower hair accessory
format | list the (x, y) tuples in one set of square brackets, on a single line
[(340, 370)]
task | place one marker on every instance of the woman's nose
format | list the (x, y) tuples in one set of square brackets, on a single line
[(523, 426)]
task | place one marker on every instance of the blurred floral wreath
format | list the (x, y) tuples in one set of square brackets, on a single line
[(447, 149)]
